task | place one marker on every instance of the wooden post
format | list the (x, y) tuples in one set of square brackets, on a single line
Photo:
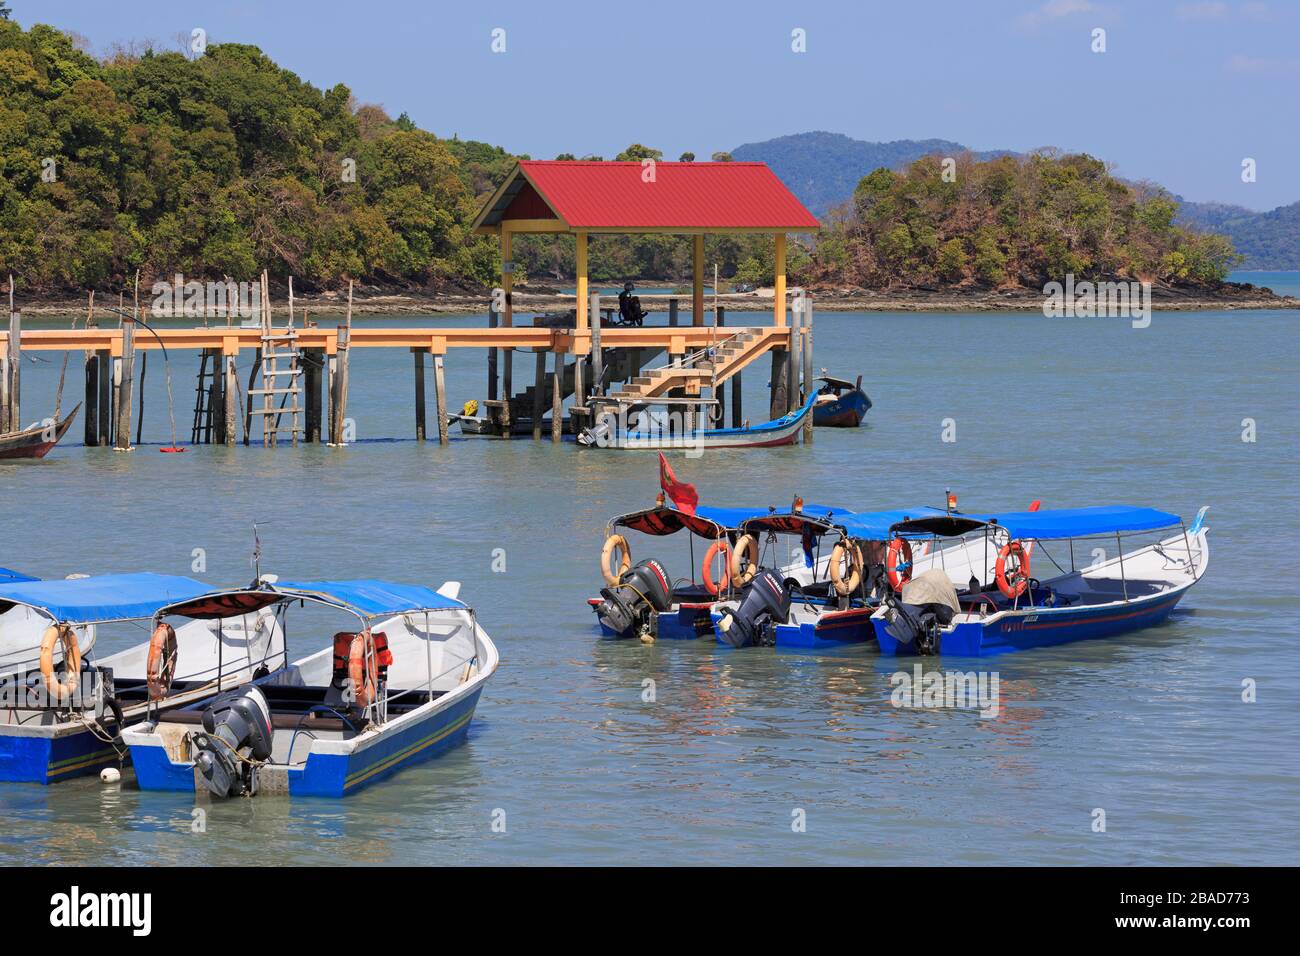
[(792, 356), (122, 427), (583, 316), (139, 419), (672, 312), (579, 386), (231, 396), (440, 398), (104, 360), (597, 356), (418, 355), (15, 363), (339, 401), (557, 400), (331, 392), (736, 420), (492, 359), (807, 364), (778, 302), (91, 411), (697, 281), (538, 395), (780, 398), (720, 390), (507, 312), (314, 361)]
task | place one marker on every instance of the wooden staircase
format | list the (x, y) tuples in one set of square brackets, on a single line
[(709, 367), (620, 364)]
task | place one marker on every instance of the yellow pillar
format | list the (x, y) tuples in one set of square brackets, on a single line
[(507, 277), (697, 286), (582, 281), (778, 306)]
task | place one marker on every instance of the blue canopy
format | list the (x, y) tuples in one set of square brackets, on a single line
[(370, 597), (733, 517), (878, 525), (7, 576), (106, 597), (1047, 524)]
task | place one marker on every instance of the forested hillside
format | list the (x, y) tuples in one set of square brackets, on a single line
[(1013, 221), (224, 164)]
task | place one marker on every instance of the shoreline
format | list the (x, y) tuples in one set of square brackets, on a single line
[(826, 300)]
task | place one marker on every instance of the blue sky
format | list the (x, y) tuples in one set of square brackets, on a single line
[(1185, 91)]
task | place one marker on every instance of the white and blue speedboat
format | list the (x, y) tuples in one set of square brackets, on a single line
[(989, 601), (399, 686), (63, 706)]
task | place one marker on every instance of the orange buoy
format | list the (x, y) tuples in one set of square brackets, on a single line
[(160, 667), (615, 543), (1017, 582), (719, 548), (846, 583), (744, 560), (363, 669), (898, 563), (67, 637)]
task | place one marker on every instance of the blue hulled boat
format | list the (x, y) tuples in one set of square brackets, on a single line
[(399, 687), (991, 602), (64, 706), (840, 403)]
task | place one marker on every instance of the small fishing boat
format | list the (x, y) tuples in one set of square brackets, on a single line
[(651, 433), (840, 403), (991, 603), (833, 605), (398, 687), (62, 707), (35, 441)]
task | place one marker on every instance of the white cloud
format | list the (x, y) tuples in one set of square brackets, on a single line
[(1205, 10), (1054, 10)]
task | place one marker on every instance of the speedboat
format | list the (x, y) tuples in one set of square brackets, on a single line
[(650, 433), (63, 707), (643, 599), (840, 403), (399, 686), (992, 603)]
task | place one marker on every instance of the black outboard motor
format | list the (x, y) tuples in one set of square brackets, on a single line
[(234, 720), (918, 624), (627, 608), (764, 604)]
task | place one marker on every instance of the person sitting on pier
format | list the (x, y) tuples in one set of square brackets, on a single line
[(629, 306)]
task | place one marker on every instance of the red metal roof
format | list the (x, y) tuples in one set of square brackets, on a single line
[(599, 195)]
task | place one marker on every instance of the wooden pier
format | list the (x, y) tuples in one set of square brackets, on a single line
[(587, 365)]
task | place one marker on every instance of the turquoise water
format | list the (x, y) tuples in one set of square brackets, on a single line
[(1283, 283), (1149, 727)]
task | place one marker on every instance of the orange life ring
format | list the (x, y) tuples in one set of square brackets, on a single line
[(612, 543), (363, 669), (846, 584), (746, 549), (1018, 583), (65, 635), (718, 547), (899, 572), (161, 665)]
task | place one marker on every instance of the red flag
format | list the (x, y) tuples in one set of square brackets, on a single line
[(683, 496)]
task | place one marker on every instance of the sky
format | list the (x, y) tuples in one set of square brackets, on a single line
[(1184, 93)]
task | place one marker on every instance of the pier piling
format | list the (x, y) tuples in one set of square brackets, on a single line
[(780, 399), (418, 355), (492, 359), (14, 366), (230, 396), (122, 378), (313, 369), (104, 360), (557, 399), (807, 365), (440, 397), (597, 356), (539, 396)]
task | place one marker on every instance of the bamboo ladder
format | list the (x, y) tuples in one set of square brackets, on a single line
[(279, 399)]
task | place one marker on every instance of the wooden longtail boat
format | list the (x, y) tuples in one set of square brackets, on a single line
[(37, 440)]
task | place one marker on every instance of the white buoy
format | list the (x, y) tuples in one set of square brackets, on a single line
[(110, 775)]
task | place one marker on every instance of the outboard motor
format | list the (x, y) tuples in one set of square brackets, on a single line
[(234, 720), (627, 606), (764, 604), (928, 604)]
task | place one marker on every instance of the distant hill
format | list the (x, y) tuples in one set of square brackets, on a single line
[(1268, 240), (823, 168)]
